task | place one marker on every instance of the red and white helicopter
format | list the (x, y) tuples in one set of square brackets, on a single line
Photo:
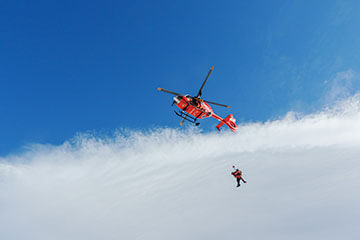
[(194, 108)]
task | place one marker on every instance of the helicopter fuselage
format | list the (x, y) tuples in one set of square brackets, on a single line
[(195, 107)]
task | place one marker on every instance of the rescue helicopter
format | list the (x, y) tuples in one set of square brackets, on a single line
[(193, 108)]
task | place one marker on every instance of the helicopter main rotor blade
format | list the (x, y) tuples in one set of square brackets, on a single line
[(222, 105), (167, 91), (200, 91), (183, 120)]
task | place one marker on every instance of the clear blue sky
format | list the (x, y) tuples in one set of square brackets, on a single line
[(75, 66)]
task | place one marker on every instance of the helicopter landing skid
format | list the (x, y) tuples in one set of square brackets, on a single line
[(187, 117)]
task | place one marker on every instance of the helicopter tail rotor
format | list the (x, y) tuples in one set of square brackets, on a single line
[(229, 121)]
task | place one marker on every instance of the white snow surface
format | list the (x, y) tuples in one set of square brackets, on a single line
[(303, 176)]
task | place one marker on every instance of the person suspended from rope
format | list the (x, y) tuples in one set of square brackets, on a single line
[(238, 175)]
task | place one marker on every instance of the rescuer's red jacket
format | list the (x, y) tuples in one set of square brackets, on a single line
[(237, 173)]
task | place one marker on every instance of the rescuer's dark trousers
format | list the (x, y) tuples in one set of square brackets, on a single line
[(238, 180)]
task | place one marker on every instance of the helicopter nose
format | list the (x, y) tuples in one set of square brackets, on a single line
[(177, 99)]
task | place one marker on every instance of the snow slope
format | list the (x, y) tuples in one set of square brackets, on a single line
[(302, 172)]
